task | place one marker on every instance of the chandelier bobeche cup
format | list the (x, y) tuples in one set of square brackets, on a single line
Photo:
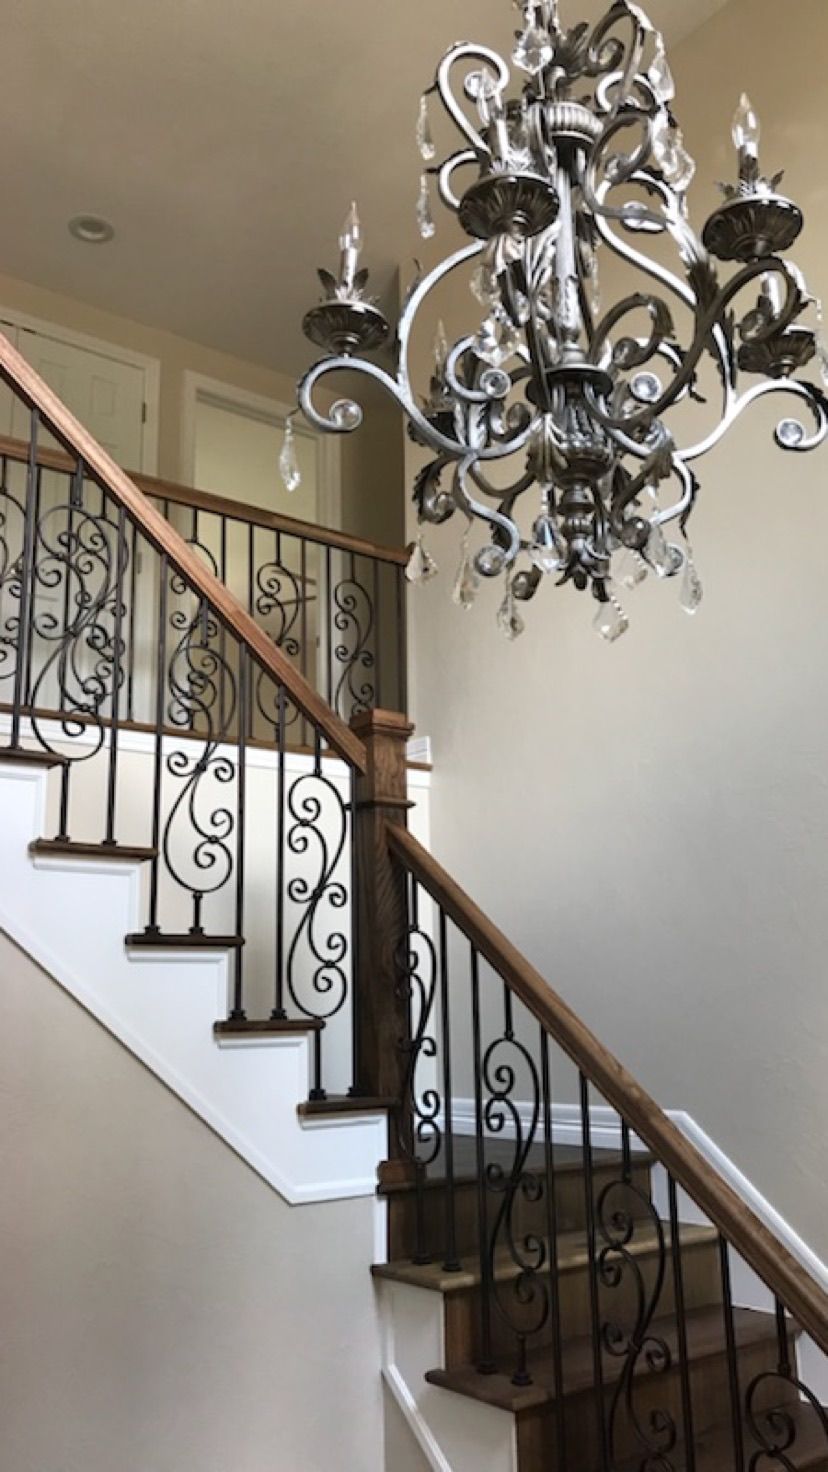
[(575, 157)]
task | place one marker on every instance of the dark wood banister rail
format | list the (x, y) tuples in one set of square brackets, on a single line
[(778, 1269), (154, 525), (178, 495)]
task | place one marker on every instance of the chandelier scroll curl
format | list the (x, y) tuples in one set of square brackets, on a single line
[(568, 156)]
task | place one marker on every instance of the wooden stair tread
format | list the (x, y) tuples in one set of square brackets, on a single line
[(705, 1339), (150, 940), (31, 757), (573, 1254), (243, 1027), (343, 1104), (67, 848), (713, 1449), (568, 1159)]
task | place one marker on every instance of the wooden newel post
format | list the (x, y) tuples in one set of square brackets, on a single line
[(381, 1015)]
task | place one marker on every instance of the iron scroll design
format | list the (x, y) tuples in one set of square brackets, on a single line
[(775, 1429), (353, 621), (318, 955), (419, 1123)]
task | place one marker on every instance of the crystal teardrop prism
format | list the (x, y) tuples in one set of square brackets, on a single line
[(660, 75), (534, 50), (497, 341), (632, 570), (692, 591), (421, 565), (610, 621), (509, 620), (484, 287), (425, 219), (659, 554), (289, 460), (821, 344), (425, 140), (546, 549), (466, 583)]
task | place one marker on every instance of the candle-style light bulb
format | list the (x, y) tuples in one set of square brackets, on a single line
[(350, 244), (746, 129)]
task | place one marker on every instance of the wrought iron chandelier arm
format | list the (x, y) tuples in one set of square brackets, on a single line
[(469, 51), (803, 391), (608, 54), (509, 537), (446, 173)]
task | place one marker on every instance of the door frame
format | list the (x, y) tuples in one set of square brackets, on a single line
[(105, 348), (197, 386)]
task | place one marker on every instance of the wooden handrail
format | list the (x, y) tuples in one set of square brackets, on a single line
[(167, 490), (158, 530), (778, 1269)]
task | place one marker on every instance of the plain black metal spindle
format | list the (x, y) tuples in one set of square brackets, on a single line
[(238, 1013), (26, 581), (28, 691), (279, 1014), (550, 1184), (117, 673), (356, 1082), (732, 1358), (377, 631), (133, 576), (594, 1297), (785, 1363), (158, 765), (317, 1091), (329, 622), (681, 1328), (223, 636), (303, 594), (402, 639), (626, 1153), (451, 1263), (485, 1362), (251, 564)]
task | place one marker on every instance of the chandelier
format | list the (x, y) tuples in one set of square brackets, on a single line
[(569, 158)]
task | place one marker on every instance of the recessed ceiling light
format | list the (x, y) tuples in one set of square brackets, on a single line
[(92, 229)]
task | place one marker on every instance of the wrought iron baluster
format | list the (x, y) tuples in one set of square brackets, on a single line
[(117, 661), (238, 1013), (279, 1014), (451, 1262), (775, 1430), (377, 636), (402, 639), (419, 1131), (681, 1329), (153, 926), (486, 1359), (594, 1298), (356, 1082), (75, 502), (732, 1358), (303, 635), (553, 1255), (133, 577), (27, 573), (354, 621), (329, 624)]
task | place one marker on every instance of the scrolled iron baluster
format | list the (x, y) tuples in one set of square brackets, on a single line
[(418, 1122), (201, 700), (775, 1429), (529, 1254), (617, 1266), (319, 831), (12, 511), (353, 619)]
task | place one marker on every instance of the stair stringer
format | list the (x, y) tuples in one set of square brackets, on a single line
[(455, 1434), (71, 916)]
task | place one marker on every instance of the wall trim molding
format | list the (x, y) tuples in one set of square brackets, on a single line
[(605, 1131)]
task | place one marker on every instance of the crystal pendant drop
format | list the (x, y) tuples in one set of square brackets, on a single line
[(425, 140), (822, 345), (632, 570), (611, 621), (509, 620), (534, 50), (546, 551), (484, 287), (497, 341), (659, 554), (660, 75), (692, 591), (425, 219), (421, 565), (466, 583), (289, 460)]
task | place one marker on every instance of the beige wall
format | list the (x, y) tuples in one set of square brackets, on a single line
[(163, 1310), (371, 459), (650, 820)]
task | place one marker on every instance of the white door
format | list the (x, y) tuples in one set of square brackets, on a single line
[(237, 456), (107, 395)]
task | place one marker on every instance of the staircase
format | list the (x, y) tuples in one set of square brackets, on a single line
[(232, 887)]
